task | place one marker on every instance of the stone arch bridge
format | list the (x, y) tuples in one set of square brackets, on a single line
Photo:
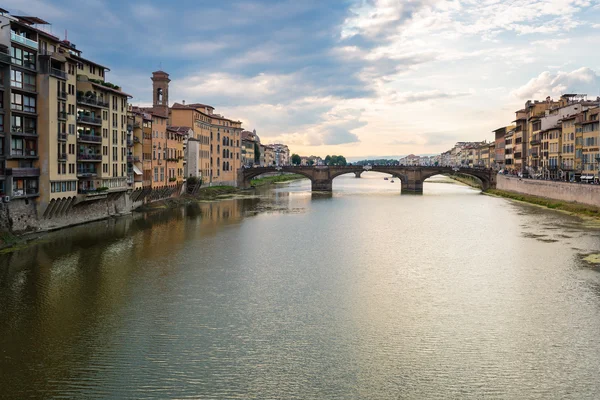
[(411, 178)]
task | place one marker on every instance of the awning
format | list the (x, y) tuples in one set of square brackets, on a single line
[(137, 170)]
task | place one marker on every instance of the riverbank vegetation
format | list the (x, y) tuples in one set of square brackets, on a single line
[(269, 180), (575, 208)]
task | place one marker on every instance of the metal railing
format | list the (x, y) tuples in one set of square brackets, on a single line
[(23, 130), (92, 101), (62, 156), (62, 115), (59, 73), (62, 136), (62, 95), (89, 119), (89, 157), (90, 138)]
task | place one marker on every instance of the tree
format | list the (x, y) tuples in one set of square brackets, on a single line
[(311, 162), (256, 153), (335, 160), (327, 160), (296, 160)]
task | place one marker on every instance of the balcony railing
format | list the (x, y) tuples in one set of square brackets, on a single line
[(62, 115), (62, 136), (87, 172), (136, 159), (21, 107), (20, 153), (62, 95), (90, 138), (89, 157), (87, 119), (58, 73), (92, 101), (19, 130), (62, 157), (23, 40), (4, 58), (24, 86), (23, 172), (23, 63), (129, 158), (129, 143)]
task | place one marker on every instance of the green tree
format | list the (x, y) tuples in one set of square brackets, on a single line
[(296, 160), (256, 153), (311, 162), (327, 160)]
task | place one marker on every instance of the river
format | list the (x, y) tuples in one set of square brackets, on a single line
[(365, 294)]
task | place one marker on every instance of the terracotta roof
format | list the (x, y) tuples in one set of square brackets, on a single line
[(192, 106), (181, 130)]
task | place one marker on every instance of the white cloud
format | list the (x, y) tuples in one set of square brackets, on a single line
[(582, 80)]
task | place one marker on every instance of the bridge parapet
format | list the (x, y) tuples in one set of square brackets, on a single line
[(411, 177)]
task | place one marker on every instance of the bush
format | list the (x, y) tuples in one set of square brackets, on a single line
[(192, 180), (102, 189), (172, 179)]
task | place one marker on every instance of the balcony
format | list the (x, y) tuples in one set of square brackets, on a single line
[(62, 136), (62, 157), (22, 63), (87, 172), (62, 95), (129, 143), (136, 140), (535, 155), (58, 73), (22, 131), (96, 139), (136, 159), (89, 157), (92, 101), (26, 87), (88, 119), (22, 108), (4, 58), (62, 115), (129, 158), (23, 40), (20, 153), (535, 141), (22, 172)]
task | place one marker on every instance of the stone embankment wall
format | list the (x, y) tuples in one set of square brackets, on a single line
[(21, 216), (572, 192)]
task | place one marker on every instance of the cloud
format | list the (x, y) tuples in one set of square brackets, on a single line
[(582, 80)]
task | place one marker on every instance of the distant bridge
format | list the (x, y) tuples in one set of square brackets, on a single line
[(411, 178)]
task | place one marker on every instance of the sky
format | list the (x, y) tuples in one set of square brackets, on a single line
[(361, 78)]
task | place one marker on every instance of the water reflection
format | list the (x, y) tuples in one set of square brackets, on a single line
[(362, 293)]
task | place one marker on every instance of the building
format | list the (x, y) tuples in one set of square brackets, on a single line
[(250, 145), (281, 154), (219, 154), (68, 126), (269, 155)]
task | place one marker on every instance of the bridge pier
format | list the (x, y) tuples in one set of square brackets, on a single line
[(412, 187), (357, 174), (322, 185)]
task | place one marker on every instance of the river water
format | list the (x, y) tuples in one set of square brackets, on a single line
[(365, 294)]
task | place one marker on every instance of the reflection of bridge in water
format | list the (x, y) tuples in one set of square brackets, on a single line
[(412, 178)]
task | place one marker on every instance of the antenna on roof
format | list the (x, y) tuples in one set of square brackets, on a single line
[(66, 36)]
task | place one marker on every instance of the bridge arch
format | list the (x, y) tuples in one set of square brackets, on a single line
[(483, 176)]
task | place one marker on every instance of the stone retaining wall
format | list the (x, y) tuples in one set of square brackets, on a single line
[(572, 192)]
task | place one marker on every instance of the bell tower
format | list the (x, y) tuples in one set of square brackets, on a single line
[(160, 93)]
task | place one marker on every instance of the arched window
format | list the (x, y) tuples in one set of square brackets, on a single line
[(159, 95)]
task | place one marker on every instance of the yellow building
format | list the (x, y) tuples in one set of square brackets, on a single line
[(567, 164), (220, 141), (589, 130)]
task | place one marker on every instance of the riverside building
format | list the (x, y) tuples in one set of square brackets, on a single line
[(66, 127)]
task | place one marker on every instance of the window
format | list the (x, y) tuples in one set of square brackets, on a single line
[(155, 174), (162, 174), (23, 58)]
